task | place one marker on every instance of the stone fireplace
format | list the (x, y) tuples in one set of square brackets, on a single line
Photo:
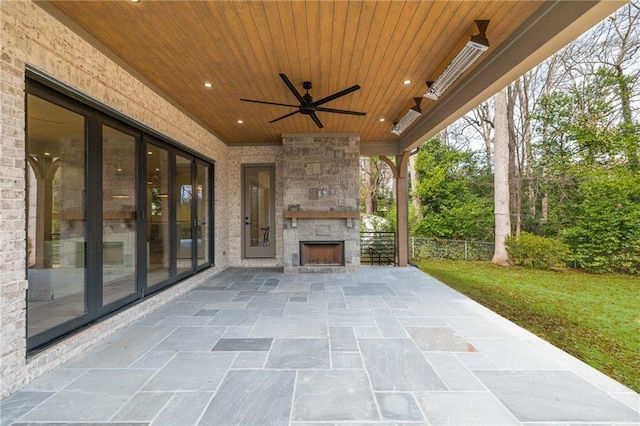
[(321, 201)]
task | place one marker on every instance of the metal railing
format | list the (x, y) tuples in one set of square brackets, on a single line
[(378, 248)]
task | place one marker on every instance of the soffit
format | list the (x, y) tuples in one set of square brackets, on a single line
[(242, 46)]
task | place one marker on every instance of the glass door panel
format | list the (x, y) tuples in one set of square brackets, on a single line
[(203, 203), (259, 211), (157, 215), (118, 215), (56, 234), (184, 204)]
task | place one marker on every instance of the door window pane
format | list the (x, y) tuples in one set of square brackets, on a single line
[(118, 215), (157, 216), (202, 229), (184, 199), (259, 211), (56, 222)]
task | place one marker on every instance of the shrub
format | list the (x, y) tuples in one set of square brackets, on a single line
[(533, 251)]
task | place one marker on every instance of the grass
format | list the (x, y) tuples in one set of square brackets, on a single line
[(596, 318)]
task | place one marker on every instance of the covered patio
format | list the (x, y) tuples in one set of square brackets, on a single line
[(387, 74), (254, 346), (160, 154)]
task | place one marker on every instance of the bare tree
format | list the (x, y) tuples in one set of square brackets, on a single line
[(623, 44), (501, 179), (610, 51), (478, 123), (520, 103), (368, 186)]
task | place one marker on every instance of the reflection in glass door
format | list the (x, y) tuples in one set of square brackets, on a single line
[(118, 215), (259, 211), (184, 203), (158, 253), (56, 231)]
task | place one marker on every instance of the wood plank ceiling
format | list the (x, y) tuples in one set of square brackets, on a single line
[(242, 46)]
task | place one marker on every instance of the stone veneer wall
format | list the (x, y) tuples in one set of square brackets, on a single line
[(31, 37), (320, 172)]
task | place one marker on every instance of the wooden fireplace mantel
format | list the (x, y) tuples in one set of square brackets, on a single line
[(320, 214)]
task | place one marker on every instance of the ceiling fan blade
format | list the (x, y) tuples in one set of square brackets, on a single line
[(336, 95), (316, 120), (293, 89), (340, 111), (284, 116), (269, 103)]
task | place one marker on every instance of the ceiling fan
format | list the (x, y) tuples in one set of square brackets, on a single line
[(307, 105)]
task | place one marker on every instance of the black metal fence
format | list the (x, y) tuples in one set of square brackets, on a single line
[(378, 248), (433, 248)]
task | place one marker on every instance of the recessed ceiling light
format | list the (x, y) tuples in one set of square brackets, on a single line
[(135, 1), (382, 120), (406, 82), (157, 170), (149, 152), (240, 121), (119, 169), (46, 153), (208, 85)]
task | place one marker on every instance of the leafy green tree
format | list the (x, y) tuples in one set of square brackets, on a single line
[(454, 204), (621, 86), (606, 235), (580, 136)]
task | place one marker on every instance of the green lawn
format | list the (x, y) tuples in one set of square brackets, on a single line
[(596, 318)]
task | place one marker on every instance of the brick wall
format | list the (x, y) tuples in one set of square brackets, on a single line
[(31, 37)]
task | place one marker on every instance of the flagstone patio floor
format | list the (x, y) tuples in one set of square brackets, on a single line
[(386, 346)]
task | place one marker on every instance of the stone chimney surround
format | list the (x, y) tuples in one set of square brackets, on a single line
[(321, 199)]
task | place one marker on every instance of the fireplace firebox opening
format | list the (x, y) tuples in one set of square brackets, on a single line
[(321, 253)]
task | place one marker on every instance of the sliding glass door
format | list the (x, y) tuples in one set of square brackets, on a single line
[(158, 213), (114, 214), (179, 214), (56, 230), (184, 202), (119, 206)]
